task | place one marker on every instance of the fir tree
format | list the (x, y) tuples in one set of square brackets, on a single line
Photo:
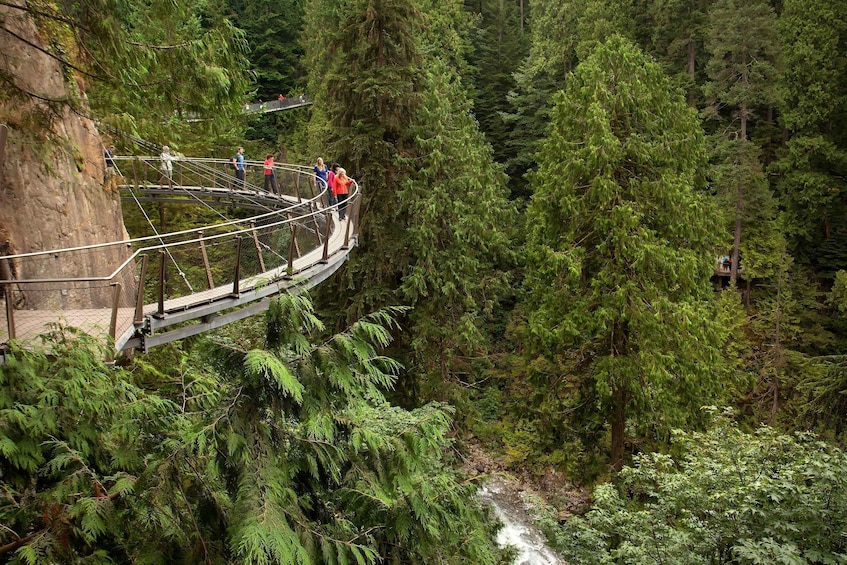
[(434, 212), (288, 454), (813, 94), (620, 245)]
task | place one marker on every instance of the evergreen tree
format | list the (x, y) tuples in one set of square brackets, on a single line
[(810, 178), (620, 245), (678, 32), (272, 30), (500, 44), (745, 197), (742, 42), (288, 454), (562, 32), (434, 213)]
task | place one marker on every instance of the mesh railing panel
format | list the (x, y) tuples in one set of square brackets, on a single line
[(96, 288)]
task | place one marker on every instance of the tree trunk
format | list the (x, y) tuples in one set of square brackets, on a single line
[(745, 80), (736, 243), (691, 58), (619, 398), (500, 20), (778, 358), (522, 14)]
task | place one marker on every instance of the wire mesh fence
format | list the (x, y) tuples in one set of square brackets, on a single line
[(107, 289)]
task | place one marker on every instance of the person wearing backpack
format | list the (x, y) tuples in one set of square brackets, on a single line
[(237, 162)]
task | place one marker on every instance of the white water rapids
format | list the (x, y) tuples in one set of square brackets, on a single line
[(517, 530)]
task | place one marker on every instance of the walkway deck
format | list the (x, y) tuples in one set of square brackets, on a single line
[(146, 325)]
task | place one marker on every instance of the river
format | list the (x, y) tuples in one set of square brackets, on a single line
[(517, 530)]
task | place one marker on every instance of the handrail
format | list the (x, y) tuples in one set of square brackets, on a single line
[(127, 242), (120, 301), (314, 213)]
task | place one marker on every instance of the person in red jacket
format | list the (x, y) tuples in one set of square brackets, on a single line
[(270, 178), (341, 185)]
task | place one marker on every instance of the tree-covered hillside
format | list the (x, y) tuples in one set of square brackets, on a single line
[(584, 225)]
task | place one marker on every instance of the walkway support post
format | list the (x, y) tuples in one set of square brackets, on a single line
[(354, 217), (237, 278), (290, 269), (326, 239), (160, 312), (113, 322), (139, 297), (5, 270), (347, 230), (258, 247), (6, 273), (205, 256)]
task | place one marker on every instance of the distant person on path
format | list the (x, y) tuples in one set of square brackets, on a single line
[(110, 178), (238, 164), (167, 166), (270, 178), (321, 173), (342, 182), (109, 158)]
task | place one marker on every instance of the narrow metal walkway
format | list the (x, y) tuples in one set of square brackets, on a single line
[(171, 286)]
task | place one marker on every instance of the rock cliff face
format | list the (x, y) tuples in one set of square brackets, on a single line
[(52, 190)]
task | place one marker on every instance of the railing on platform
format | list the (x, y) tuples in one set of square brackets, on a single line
[(279, 104), (179, 271)]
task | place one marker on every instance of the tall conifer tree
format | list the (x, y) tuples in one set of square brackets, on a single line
[(620, 245), (434, 218), (814, 110)]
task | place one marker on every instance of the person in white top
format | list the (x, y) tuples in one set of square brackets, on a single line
[(167, 166)]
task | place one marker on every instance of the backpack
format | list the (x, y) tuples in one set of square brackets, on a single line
[(233, 162)]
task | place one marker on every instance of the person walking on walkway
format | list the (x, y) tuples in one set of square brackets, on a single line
[(342, 182), (270, 178), (167, 166), (110, 179), (238, 164), (321, 174)]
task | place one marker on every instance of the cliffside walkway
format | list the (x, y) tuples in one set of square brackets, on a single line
[(174, 285), (277, 105)]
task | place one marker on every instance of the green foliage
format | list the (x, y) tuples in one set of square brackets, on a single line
[(500, 43), (435, 232), (562, 33), (619, 252), (678, 39), (723, 496), (74, 435), (813, 90), (742, 41), (284, 455), (748, 206), (164, 62)]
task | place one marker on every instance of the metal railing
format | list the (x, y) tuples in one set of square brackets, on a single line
[(192, 272), (276, 105)]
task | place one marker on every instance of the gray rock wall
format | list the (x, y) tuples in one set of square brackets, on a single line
[(52, 190)]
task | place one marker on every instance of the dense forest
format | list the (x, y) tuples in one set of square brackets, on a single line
[(603, 242)]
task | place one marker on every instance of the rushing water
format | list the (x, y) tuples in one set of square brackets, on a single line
[(517, 530)]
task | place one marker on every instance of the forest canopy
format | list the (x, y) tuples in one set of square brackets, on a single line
[(581, 223)]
